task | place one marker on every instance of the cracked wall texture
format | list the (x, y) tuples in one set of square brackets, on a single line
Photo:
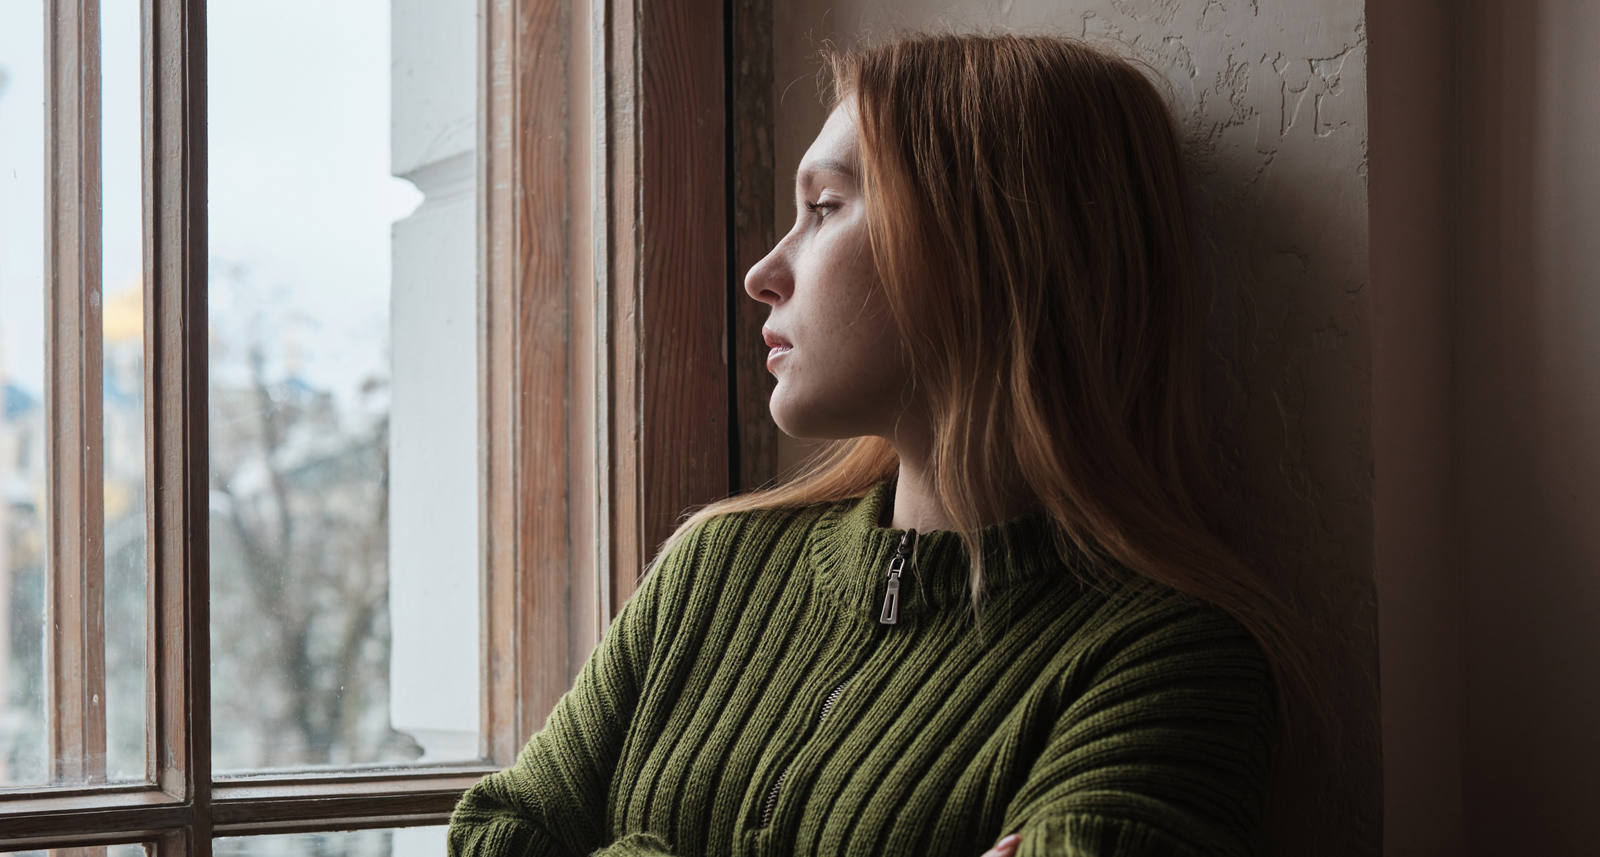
[(1272, 101)]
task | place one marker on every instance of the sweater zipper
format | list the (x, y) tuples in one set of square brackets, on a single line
[(890, 616), (891, 596), (827, 706)]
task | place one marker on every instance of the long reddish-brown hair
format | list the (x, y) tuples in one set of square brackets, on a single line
[(1030, 222)]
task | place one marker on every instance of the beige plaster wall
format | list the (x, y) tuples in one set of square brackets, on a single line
[(1272, 97)]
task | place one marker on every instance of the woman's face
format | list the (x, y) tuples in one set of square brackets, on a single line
[(838, 363)]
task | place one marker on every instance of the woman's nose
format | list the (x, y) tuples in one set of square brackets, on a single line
[(769, 280)]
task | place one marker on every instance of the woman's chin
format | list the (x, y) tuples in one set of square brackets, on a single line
[(837, 417), (806, 426), (786, 421), (793, 419)]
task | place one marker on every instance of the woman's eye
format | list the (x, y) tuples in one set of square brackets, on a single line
[(819, 207)]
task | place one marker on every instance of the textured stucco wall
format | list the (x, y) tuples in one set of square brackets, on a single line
[(1272, 97)]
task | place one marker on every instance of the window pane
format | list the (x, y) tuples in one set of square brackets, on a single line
[(122, 409), (24, 471), (23, 477), (400, 842), (126, 849), (343, 299)]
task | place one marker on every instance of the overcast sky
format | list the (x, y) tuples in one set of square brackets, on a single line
[(300, 190)]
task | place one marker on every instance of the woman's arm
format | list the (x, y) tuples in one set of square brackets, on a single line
[(553, 800), (1166, 752)]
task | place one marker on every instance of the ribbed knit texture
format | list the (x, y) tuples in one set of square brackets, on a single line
[(1090, 722)]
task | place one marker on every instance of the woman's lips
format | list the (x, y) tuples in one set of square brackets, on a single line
[(779, 345)]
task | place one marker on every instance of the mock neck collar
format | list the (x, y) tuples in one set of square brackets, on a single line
[(851, 548)]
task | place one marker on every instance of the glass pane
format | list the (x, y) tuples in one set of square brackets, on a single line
[(122, 409), (23, 477), (23, 468), (400, 842), (343, 305), (125, 849)]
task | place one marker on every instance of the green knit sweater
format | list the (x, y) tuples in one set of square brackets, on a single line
[(749, 699)]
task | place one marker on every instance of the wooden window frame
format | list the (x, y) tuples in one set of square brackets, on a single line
[(75, 669), (622, 386)]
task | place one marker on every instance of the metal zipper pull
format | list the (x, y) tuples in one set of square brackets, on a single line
[(891, 597)]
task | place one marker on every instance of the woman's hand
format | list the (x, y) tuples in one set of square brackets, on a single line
[(1004, 848)]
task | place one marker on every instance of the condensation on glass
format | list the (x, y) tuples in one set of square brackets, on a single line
[(397, 842), (343, 383), (25, 486)]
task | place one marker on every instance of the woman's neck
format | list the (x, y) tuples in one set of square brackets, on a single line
[(916, 504)]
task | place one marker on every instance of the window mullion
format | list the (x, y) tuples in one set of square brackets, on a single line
[(173, 843), (75, 640), (176, 427), (500, 659), (539, 612), (338, 802), (622, 541)]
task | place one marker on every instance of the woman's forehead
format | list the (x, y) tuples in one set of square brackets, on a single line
[(836, 148)]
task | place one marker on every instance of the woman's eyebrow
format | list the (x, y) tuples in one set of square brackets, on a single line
[(824, 165)]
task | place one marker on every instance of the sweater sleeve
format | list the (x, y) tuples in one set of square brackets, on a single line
[(553, 799), (1165, 752)]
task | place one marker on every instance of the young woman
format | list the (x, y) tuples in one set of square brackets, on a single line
[(995, 617)]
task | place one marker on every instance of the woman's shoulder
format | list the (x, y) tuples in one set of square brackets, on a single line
[(725, 537), (692, 572), (1152, 641), (740, 527), (773, 517), (1141, 618)]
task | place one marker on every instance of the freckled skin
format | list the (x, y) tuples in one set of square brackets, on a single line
[(844, 377)]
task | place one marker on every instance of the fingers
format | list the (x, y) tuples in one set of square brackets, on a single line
[(1004, 848)]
